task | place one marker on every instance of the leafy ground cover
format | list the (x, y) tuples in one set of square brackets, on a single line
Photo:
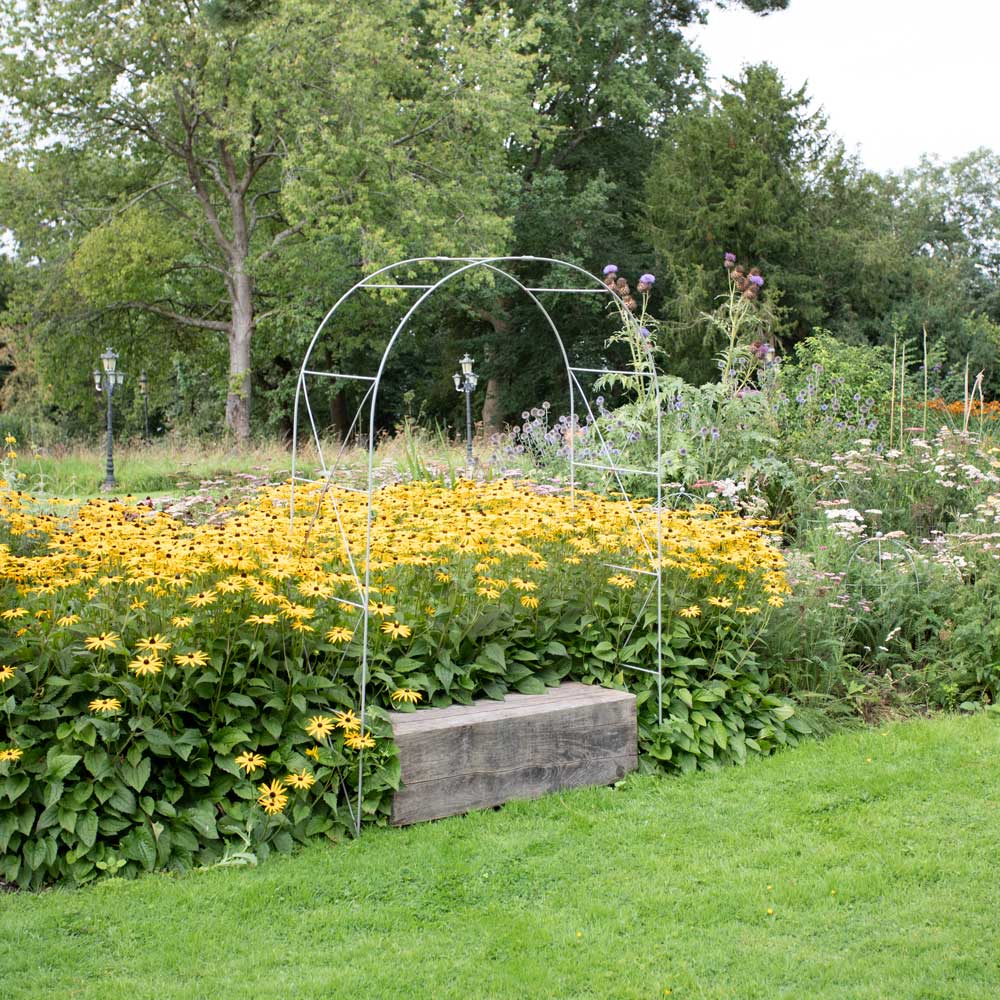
[(174, 691), (857, 867)]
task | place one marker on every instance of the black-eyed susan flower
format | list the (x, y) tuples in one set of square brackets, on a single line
[(381, 609), (339, 634), (529, 601), (300, 780), (202, 599), (347, 721), (397, 630), (105, 705), (720, 602), (154, 643), (102, 641), (67, 620), (319, 727), (357, 741), (146, 665), (262, 620), (407, 695), (622, 581), (312, 752), (11, 755), (273, 798), (11, 614), (250, 762), (181, 621), (7, 673), (693, 611), (195, 658)]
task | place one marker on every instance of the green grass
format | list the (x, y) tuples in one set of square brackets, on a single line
[(881, 875)]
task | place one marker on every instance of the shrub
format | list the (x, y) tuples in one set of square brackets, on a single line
[(160, 677)]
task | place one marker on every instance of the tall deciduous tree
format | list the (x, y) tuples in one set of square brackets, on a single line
[(230, 129)]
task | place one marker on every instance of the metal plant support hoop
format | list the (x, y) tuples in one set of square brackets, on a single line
[(359, 563)]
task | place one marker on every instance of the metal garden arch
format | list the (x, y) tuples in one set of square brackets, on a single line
[(455, 267)]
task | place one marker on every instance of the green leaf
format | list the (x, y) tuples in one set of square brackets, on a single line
[(530, 685), (86, 828), (137, 776), (60, 765)]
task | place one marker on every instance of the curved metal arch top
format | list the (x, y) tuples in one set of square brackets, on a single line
[(456, 268)]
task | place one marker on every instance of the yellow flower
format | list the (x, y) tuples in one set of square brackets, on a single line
[(572, 560), (105, 640), (358, 742), (105, 705), (339, 634), (380, 609), (300, 626), (312, 752), (43, 613), (250, 762), (11, 613), (262, 620), (300, 779), (397, 630), (202, 599), (347, 721), (137, 605), (442, 577), (622, 581), (6, 673), (67, 620), (529, 602), (320, 726), (10, 439), (407, 695), (518, 584), (775, 601), (720, 602), (11, 754), (154, 643), (272, 798), (20, 632), (148, 663), (181, 621), (197, 658), (430, 610), (744, 610), (691, 612)]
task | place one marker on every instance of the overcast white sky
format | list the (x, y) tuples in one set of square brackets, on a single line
[(897, 78)]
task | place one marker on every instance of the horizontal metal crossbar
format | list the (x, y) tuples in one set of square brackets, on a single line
[(395, 286), (353, 604), (572, 291), (615, 468), (631, 569), (358, 378), (611, 371), (645, 670)]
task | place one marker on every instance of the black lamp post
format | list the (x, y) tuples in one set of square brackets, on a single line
[(144, 390), (107, 378), (466, 382)]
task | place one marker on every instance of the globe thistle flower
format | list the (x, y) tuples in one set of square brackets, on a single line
[(729, 261), (757, 280), (610, 269), (646, 282)]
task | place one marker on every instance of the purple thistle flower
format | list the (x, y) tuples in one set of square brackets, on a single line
[(756, 279), (610, 269), (730, 258), (644, 333), (646, 282)]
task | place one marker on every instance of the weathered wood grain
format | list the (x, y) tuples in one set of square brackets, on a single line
[(475, 756)]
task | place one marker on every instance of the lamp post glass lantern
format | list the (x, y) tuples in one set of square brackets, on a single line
[(466, 382), (107, 378)]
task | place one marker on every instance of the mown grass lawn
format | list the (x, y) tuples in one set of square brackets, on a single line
[(876, 851)]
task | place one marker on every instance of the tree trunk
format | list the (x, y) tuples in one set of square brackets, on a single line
[(492, 422), (238, 394)]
